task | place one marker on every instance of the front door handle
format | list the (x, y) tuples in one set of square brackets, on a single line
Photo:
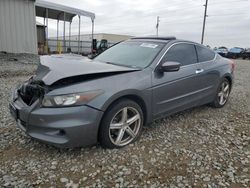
[(198, 71)]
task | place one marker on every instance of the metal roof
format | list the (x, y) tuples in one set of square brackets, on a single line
[(56, 11)]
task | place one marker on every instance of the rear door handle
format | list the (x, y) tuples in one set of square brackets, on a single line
[(198, 71)]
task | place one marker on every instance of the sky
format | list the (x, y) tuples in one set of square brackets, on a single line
[(228, 21)]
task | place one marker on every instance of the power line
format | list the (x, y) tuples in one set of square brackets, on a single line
[(230, 14), (183, 20), (170, 22), (234, 1), (124, 18), (176, 21)]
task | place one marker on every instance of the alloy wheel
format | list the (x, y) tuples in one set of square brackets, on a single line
[(125, 126), (223, 93)]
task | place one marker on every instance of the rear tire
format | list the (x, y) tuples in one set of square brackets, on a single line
[(121, 125), (222, 94)]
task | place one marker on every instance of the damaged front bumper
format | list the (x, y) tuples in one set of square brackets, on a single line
[(63, 127)]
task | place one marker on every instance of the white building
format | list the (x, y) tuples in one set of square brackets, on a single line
[(18, 32), (85, 41), (18, 26), (112, 38)]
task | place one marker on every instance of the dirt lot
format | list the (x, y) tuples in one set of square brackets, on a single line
[(201, 147)]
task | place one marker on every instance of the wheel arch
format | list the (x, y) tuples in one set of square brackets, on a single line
[(134, 97), (230, 79)]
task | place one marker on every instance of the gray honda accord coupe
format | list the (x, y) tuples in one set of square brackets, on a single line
[(73, 101)]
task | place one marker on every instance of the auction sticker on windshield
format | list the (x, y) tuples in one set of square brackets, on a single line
[(147, 45)]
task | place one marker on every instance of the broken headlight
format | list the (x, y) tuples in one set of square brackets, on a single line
[(70, 99)]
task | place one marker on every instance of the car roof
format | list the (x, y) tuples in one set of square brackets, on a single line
[(222, 47), (164, 39), (238, 48), (154, 39)]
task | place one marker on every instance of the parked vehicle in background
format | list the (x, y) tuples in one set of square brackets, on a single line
[(246, 54), (74, 101), (235, 52), (99, 46), (223, 51)]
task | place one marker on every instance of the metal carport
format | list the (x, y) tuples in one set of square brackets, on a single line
[(59, 12)]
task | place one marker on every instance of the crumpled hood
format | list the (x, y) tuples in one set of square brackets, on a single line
[(56, 67)]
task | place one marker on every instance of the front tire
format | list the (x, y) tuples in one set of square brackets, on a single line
[(121, 125), (222, 94)]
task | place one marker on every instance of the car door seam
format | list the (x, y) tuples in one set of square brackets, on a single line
[(185, 95)]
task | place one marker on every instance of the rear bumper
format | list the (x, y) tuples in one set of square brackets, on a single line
[(62, 127)]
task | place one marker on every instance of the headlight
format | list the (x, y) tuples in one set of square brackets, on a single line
[(70, 99)]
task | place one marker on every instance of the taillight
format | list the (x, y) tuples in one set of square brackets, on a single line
[(233, 66)]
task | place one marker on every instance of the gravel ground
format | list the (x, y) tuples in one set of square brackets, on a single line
[(201, 147), (17, 64)]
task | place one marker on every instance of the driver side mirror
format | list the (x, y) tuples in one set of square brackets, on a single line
[(170, 66)]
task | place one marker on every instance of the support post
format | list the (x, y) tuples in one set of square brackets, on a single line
[(64, 41), (57, 36), (47, 31), (204, 23), (57, 31), (79, 33), (70, 34), (92, 36)]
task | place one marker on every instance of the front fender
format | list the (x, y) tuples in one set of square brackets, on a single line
[(144, 96)]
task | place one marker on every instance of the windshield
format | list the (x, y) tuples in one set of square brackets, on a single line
[(131, 53), (235, 50)]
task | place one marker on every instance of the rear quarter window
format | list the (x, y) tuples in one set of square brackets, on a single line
[(204, 54)]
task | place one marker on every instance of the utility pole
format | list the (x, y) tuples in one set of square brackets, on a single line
[(157, 25), (204, 22)]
